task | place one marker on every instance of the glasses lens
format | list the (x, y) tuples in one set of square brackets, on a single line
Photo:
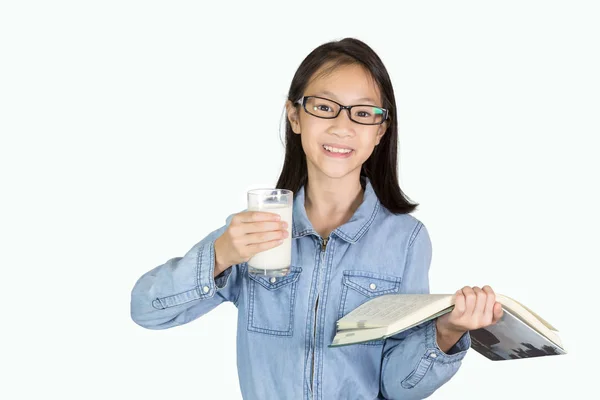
[(367, 115), (321, 108)]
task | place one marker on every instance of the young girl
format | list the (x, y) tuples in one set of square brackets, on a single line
[(353, 238)]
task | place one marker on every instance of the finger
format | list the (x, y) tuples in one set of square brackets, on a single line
[(488, 313), (470, 299), (253, 227), (261, 237), (479, 302), (498, 313), (257, 216), (459, 303), (259, 247)]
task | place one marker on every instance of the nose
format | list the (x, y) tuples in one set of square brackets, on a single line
[(342, 125)]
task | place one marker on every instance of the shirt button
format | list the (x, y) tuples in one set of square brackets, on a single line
[(273, 280), (206, 289), (433, 355), (373, 286)]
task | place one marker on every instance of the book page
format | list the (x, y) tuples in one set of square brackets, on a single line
[(510, 303), (386, 309), (528, 317)]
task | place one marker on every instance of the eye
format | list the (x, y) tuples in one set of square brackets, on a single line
[(363, 114), (323, 107)]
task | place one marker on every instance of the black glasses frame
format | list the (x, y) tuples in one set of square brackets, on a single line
[(302, 102)]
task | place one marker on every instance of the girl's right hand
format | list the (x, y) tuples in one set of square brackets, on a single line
[(249, 233)]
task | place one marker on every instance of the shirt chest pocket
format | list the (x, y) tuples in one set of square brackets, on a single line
[(271, 303), (360, 286)]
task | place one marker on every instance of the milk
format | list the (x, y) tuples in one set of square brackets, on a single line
[(280, 256)]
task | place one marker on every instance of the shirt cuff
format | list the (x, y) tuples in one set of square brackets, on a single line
[(205, 269), (221, 279), (456, 352)]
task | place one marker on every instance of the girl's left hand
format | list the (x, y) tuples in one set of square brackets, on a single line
[(474, 308)]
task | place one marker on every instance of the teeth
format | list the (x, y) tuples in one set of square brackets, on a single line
[(336, 150)]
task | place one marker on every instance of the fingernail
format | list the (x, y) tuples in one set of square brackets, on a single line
[(284, 224)]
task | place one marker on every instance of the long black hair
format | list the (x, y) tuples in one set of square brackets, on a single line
[(381, 167)]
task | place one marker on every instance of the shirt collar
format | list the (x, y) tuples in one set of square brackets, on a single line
[(352, 230)]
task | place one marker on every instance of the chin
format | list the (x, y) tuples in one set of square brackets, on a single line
[(336, 173)]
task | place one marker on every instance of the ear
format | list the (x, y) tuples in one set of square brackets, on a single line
[(380, 132), (293, 117)]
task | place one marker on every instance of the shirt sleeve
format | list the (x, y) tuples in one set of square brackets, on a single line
[(412, 364), (184, 288)]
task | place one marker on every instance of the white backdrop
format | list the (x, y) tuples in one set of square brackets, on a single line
[(109, 168)]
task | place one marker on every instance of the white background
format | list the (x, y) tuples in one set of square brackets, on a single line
[(111, 165)]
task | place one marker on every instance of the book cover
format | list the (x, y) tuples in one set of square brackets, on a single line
[(510, 338)]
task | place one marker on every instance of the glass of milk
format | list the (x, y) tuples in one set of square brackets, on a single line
[(275, 261)]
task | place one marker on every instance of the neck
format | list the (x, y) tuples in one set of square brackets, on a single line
[(330, 202)]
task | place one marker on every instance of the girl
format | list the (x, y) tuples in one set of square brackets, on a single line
[(353, 238)]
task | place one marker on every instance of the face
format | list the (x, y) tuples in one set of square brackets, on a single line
[(338, 147)]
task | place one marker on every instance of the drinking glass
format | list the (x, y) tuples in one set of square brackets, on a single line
[(275, 261)]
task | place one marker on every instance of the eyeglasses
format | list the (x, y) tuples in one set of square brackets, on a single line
[(328, 109)]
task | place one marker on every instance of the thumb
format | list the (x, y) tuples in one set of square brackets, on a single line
[(498, 313)]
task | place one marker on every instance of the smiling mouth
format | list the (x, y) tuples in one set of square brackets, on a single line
[(332, 149)]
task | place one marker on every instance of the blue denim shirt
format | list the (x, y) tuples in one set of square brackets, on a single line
[(285, 324)]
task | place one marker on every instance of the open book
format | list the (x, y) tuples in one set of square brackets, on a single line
[(520, 333)]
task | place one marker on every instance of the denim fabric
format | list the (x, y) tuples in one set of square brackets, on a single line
[(285, 324)]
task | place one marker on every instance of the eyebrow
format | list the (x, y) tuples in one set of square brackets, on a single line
[(328, 93)]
